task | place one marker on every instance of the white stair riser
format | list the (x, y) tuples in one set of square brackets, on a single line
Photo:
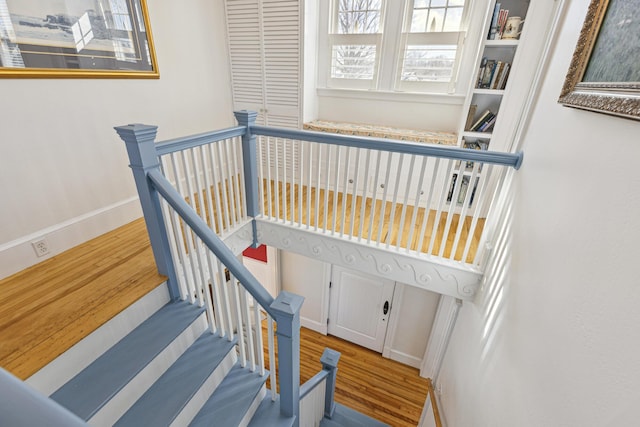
[(129, 394), (57, 373), (196, 403)]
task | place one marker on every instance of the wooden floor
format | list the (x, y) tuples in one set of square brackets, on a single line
[(367, 382), (389, 223), (47, 308)]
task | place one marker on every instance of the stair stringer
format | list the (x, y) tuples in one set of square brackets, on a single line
[(428, 272)]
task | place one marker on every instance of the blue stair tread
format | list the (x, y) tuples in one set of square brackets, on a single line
[(268, 414), (231, 400), (172, 391), (88, 391), (347, 417)]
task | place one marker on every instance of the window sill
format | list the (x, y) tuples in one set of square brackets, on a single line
[(431, 98)]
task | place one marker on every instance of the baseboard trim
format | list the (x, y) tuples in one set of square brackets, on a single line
[(18, 254), (401, 357)]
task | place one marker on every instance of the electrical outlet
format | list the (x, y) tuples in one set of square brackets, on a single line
[(41, 247)]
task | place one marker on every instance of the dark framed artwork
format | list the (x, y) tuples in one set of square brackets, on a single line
[(76, 38), (604, 75)]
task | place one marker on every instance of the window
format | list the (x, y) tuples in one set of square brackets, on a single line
[(374, 44)]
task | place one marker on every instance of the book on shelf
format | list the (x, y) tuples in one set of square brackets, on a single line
[(488, 74), (493, 30), (493, 75), (472, 113), (488, 125), (483, 66), (502, 21), (485, 117), (504, 75)]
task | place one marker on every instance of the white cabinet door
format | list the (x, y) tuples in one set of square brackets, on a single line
[(359, 307), (265, 51), (309, 278)]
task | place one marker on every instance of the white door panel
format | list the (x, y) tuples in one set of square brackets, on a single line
[(357, 307), (309, 278)]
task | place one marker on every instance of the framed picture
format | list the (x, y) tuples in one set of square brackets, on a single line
[(604, 75), (76, 38)]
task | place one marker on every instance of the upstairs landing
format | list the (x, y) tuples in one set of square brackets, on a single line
[(47, 308)]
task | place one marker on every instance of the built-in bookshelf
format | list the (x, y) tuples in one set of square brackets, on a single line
[(495, 65)]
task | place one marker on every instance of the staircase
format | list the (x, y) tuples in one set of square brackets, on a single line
[(166, 368)]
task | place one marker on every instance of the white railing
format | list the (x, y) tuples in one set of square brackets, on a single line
[(312, 403), (210, 177), (405, 202)]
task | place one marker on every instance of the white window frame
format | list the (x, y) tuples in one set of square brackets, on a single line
[(389, 51)]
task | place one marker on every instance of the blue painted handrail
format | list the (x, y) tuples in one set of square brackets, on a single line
[(312, 383), (186, 142), (211, 240), (21, 405), (493, 157)]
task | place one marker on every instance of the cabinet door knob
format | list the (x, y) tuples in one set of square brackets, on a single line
[(385, 309)]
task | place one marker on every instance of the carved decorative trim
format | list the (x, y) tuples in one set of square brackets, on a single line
[(430, 273), (617, 98), (240, 238)]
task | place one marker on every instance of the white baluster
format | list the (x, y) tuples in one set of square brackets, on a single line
[(443, 200), (318, 158), (227, 303), (365, 188), (272, 359), (416, 207), (326, 189), (239, 323), (246, 315), (257, 318), (384, 198), (396, 190), (427, 208), (335, 191), (404, 204), (374, 196), (223, 182)]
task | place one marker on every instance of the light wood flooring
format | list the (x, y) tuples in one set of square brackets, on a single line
[(393, 225), (46, 309)]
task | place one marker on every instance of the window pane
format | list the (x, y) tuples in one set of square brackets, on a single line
[(454, 19), (436, 20), (353, 61), (419, 20), (436, 15), (428, 63), (358, 16)]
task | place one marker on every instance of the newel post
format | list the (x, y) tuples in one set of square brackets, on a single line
[(250, 157), (139, 140), (329, 362), (287, 315)]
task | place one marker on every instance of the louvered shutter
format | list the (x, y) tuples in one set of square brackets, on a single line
[(264, 40)]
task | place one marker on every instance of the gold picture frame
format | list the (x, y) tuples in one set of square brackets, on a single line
[(76, 38), (597, 78)]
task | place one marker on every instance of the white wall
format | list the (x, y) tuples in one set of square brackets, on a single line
[(63, 169), (408, 111), (553, 339)]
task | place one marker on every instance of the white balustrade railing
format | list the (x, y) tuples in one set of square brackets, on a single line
[(210, 177), (399, 201), (231, 311), (312, 405)]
